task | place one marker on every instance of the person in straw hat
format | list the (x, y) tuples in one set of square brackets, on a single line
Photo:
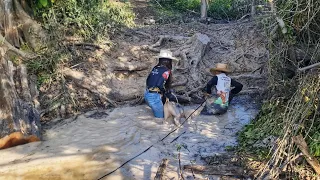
[(159, 83), (218, 101)]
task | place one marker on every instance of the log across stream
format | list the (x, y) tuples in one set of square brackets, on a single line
[(95, 143)]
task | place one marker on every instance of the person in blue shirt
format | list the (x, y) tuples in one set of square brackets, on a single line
[(224, 90), (159, 82)]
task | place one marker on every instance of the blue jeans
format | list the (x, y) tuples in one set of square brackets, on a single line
[(155, 103)]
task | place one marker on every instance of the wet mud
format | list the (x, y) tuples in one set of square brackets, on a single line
[(95, 143)]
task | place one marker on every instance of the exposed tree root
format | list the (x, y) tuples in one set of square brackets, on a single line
[(190, 52), (4, 43)]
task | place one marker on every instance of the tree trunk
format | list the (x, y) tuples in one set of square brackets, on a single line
[(17, 112), (19, 119), (14, 19), (253, 9), (204, 8)]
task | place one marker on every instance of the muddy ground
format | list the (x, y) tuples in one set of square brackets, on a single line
[(95, 143)]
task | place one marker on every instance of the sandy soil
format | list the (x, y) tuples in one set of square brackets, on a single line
[(95, 143)]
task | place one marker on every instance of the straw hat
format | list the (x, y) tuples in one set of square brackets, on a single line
[(220, 67), (166, 54)]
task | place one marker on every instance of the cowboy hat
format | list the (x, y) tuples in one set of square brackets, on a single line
[(220, 67), (166, 54)]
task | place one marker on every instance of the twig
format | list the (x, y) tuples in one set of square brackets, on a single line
[(193, 175), (86, 44), (246, 15), (309, 67), (181, 175), (158, 3)]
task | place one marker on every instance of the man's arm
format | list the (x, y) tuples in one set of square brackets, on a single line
[(210, 84), (237, 87)]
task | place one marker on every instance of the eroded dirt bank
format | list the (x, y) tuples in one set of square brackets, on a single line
[(116, 75), (95, 143)]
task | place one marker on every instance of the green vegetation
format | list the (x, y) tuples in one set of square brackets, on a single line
[(89, 21), (292, 107), (217, 9)]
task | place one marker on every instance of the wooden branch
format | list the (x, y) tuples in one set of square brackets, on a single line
[(309, 67), (216, 170), (161, 169), (86, 44), (302, 145), (180, 169)]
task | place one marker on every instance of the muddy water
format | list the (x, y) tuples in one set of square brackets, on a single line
[(98, 142)]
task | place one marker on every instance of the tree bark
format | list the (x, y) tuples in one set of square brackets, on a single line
[(204, 8), (14, 19), (17, 112), (10, 30)]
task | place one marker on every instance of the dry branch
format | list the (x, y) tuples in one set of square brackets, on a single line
[(180, 169), (309, 67), (216, 170), (86, 44), (161, 169), (302, 145)]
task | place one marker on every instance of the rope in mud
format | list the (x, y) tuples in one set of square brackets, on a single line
[(154, 143)]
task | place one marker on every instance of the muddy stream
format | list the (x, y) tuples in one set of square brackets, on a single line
[(93, 144)]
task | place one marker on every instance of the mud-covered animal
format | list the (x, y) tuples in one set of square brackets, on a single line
[(173, 109), (178, 112), (15, 139)]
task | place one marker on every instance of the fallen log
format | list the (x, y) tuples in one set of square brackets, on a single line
[(302, 145), (223, 170), (161, 169)]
